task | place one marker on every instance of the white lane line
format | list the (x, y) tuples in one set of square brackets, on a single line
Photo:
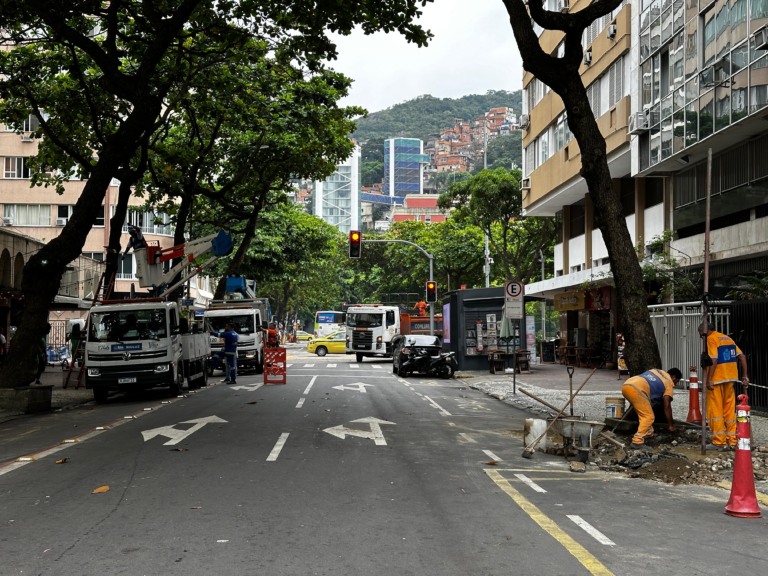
[(591, 530), (331, 365), (492, 456), (278, 447), (530, 483), (309, 365), (442, 410), (309, 386), (301, 403), (468, 438)]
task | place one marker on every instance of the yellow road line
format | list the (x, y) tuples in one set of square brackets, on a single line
[(592, 564)]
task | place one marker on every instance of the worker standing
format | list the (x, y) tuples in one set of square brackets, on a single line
[(720, 374), (230, 353), (651, 390)]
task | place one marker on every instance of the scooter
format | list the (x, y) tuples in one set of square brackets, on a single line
[(443, 365)]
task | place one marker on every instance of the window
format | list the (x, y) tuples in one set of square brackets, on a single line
[(98, 256), (125, 267), (28, 214), (15, 168), (30, 124)]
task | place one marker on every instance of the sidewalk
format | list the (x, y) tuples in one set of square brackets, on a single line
[(551, 383)]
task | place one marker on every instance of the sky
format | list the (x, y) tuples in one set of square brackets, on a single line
[(473, 51)]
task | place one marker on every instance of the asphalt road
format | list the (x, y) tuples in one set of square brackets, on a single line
[(345, 470)]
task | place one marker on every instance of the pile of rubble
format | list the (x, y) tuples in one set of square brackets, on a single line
[(677, 459)]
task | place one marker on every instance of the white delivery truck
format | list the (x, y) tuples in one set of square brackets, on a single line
[(138, 345), (371, 328), (249, 316)]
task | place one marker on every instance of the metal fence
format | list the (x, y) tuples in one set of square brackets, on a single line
[(676, 328)]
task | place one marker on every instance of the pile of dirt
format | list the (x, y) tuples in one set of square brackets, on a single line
[(677, 459)]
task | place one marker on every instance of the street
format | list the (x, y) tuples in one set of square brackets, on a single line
[(345, 470)]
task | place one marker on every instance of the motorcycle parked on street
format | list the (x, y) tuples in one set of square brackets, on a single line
[(422, 355)]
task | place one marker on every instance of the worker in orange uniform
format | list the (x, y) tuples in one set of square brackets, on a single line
[(646, 392), (721, 372)]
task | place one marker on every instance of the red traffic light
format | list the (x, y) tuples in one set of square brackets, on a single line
[(355, 243), (431, 291)]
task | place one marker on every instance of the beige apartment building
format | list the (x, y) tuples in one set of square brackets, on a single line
[(32, 216), (670, 83)]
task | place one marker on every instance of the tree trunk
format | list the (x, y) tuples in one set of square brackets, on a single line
[(561, 74)]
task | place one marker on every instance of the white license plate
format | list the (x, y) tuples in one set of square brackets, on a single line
[(130, 380)]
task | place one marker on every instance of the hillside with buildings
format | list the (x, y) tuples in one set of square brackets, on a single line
[(426, 115)]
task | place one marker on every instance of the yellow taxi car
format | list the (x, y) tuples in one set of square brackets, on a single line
[(301, 335), (334, 343)]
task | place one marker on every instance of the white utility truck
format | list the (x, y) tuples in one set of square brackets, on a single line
[(144, 343), (371, 328), (248, 314)]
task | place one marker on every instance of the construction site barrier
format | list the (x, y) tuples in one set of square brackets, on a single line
[(694, 412), (743, 500), (274, 365)]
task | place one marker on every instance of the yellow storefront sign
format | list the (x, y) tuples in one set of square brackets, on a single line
[(569, 301)]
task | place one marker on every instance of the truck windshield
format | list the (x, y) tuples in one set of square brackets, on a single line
[(127, 325), (243, 323), (364, 320)]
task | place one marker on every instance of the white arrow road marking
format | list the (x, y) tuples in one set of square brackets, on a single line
[(176, 435), (591, 530), (356, 386), (249, 387), (374, 433)]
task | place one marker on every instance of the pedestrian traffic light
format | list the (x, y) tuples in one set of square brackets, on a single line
[(355, 243), (431, 291)]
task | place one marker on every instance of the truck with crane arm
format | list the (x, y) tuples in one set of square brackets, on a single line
[(141, 343)]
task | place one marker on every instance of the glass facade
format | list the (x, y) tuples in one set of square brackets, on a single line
[(337, 198), (699, 71), (404, 164)]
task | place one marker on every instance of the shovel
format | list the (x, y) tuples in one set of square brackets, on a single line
[(528, 451)]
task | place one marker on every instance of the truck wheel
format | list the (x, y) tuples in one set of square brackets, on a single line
[(359, 357), (178, 383), (100, 394)]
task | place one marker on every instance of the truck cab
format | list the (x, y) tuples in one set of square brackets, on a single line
[(134, 346), (370, 330)]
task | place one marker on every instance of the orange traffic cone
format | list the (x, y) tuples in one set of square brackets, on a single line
[(694, 412), (743, 500)]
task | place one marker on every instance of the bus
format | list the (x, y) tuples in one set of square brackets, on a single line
[(327, 321)]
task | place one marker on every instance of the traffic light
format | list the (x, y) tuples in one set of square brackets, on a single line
[(355, 243), (431, 291)]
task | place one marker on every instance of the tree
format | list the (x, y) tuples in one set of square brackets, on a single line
[(98, 77), (561, 74), (750, 287), (491, 199)]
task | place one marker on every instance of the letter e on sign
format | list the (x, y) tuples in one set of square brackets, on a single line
[(514, 308)]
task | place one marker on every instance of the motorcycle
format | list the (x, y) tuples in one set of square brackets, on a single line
[(441, 365)]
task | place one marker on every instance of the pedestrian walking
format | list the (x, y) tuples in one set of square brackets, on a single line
[(721, 372), (648, 393), (230, 353)]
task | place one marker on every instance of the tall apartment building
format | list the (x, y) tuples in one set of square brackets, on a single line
[(39, 214), (337, 198), (404, 162), (669, 83)]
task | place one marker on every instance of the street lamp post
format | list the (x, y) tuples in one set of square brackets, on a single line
[(487, 266)]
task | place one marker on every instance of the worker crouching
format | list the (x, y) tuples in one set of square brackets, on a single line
[(652, 390)]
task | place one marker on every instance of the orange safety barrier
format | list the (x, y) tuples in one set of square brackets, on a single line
[(274, 365)]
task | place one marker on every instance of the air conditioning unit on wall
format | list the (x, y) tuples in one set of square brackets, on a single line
[(611, 32), (638, 123), (61, 221), (563, 5), (761, 39), (525, 184), (525, 121), (588, 57)]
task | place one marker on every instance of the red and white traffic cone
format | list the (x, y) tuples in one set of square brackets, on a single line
[(743, 500), (694, 412)]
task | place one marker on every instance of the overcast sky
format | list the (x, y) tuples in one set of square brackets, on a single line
[(473, 51)]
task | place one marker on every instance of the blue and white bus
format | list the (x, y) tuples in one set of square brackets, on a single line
[(327, 321)]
